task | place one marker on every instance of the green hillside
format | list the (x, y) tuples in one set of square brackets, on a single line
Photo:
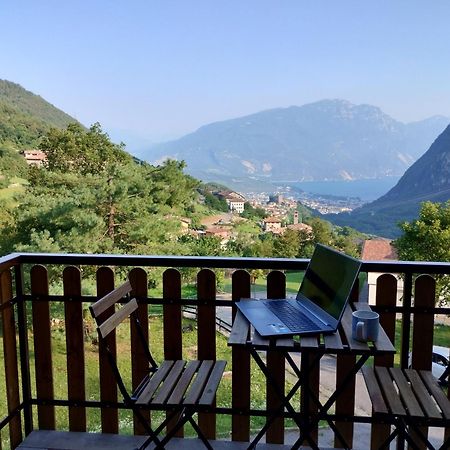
[(24, 116)]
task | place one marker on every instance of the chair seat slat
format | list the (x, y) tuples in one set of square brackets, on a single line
[(209, 393), (390, 393), (375, 392), (147, 393), (422, 394), (437, 392), (198, 385), (406, 393), (169, 383), (182, 385)]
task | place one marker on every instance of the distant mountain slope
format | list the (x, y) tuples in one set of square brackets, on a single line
[(427, 179), (24, 116), (326, 140)]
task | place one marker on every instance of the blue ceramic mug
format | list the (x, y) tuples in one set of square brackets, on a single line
[(365, 325)]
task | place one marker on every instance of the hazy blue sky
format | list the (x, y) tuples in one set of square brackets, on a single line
[(162, 68)]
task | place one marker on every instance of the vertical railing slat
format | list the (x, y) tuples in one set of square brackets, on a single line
[(276, 289), (206, 335), (386, 297), (10, 356), (75, 347), (423, 330), (345, 403), (139, 363), (240, 426), (43, 356), (173, 347), (108, 385)]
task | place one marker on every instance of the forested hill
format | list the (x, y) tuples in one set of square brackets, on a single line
[(428, 179), (24, 116)]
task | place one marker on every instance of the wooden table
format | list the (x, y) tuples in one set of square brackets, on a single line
[(312, 349)]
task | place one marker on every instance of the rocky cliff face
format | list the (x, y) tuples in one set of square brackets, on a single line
[(428, 179)]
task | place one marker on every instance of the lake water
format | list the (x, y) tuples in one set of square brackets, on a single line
[(366, 190)]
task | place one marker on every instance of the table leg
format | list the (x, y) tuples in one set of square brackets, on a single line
[(285, 403)]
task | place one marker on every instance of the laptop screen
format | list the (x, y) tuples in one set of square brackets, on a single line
[(329, 279)]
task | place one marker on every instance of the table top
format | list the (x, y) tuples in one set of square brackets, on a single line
[(243, 335)]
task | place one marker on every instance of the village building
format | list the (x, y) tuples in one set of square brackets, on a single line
[(379, 250), (272, 225), (220, 232), (185, 224), (234, 201), (300, 227), (236, 205), (34, 157), (223, 234)]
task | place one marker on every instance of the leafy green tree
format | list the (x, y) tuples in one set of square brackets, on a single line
[(287, 245), (84, 152), (427, 238), (322, 231), (251, 212), (12, 164), (214, 202), (171, 186)]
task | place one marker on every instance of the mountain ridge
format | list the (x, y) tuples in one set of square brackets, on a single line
[(324, 140)]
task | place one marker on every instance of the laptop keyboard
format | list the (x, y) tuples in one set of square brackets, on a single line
[(294, 319)]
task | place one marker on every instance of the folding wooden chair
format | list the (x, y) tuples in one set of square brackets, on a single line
[(408, 399), (178, 387)]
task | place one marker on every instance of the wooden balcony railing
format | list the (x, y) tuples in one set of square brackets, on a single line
[(31, 396)]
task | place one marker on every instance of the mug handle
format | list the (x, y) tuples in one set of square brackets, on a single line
[(360, 331)]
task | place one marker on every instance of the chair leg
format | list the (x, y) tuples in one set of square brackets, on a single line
[(199, 432), (403, 430), (185, 416), (153, 434), (390, 438)]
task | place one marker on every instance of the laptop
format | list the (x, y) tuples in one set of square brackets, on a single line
[(320, 302)]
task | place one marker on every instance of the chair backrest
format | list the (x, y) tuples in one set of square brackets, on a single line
[(108, 323)]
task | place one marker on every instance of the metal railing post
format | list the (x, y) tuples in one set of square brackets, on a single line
[(24, 351)]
